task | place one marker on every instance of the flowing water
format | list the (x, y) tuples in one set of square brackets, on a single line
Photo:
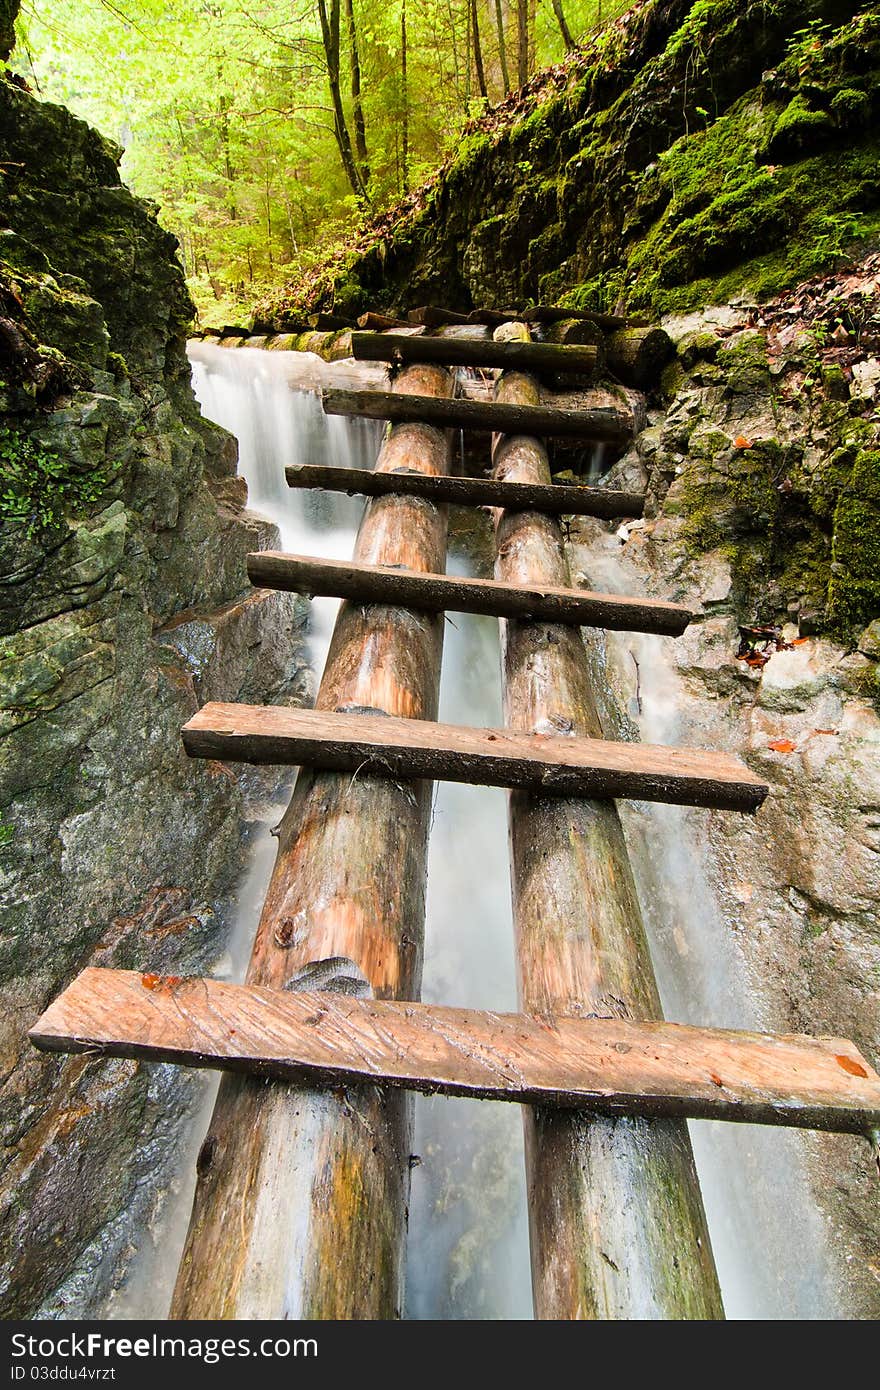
[(468, 1244)]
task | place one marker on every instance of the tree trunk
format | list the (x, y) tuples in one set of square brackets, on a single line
[(563, 26), (522, 41), (404, 119), (300, 1208), (616, 1219), (502, 47), (478, 52), (330, 36), (360, 128)]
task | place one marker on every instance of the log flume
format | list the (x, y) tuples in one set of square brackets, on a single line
[(301, 1201)]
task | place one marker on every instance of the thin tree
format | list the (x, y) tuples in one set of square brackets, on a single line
[(330, 37), (522, 41), (360, 128), (502, 46), (563, 25), (478, 52), (404, 119)]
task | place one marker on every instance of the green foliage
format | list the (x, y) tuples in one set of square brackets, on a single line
[(224, 114), (38, 490)]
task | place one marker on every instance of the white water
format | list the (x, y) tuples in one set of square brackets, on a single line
[(468, 1243)]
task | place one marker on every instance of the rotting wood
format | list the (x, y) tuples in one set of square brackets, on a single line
[(551, 763), (300, 1207), (306, 574), (616, 1219), (638, 355), (610, 1066), (330, 323), (577, 360), (557, 498), (607, 423)]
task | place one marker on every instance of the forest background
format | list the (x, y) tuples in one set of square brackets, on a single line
[(267, 131)]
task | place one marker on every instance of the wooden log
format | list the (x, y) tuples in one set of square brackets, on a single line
[(438, 593), (615, 1215), (578, 361), (429, 316), (608, 1066), (638, 355), (379, 322), (545, 314), (556, 498), (553, 764), (330, 323), (610, 422), (300, 1208)]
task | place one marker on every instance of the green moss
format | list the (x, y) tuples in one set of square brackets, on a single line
[(854, 597), (38, 489)]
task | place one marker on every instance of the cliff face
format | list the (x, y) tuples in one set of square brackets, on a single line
[(123, 599)]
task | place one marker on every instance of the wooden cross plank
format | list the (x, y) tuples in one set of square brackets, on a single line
[(413, 749), (437, 593), (554, 498), (575, 360), (606, 423), (607, 1065)]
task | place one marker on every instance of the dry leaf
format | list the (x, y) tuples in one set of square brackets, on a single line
[(781, 745)]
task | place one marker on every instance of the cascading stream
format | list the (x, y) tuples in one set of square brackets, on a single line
[(468, 1241)]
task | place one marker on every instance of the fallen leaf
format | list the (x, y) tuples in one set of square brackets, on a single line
[(833, 732), (799, 641), (741, 442), (717, 1079), (151, 981), (854, 1068), (781, 745)]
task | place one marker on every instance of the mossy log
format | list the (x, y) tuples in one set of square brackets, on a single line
[(616, 1219), (300, 1208), (638, 355)]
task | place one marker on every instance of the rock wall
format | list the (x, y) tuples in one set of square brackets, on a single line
[(124, 602)]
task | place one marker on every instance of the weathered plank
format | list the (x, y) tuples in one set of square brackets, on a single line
[(573, 359), (602, 423), (616, 1221), (556, 498), (437, 593), (611, 1065), (417, 748)]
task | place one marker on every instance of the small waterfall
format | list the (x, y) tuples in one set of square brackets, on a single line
[(468, 1240)]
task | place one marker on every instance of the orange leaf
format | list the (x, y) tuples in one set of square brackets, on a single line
[(826, 731), (799, 641), (151, 981), (849, 1065), (781, 745), (741, 442)]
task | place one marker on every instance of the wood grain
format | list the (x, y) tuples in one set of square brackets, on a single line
[(304, 574), (603, 423), (556, 498), (552, 764), (611, 1066)]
